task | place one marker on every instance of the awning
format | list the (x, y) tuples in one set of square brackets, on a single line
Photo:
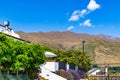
[(50, 54)]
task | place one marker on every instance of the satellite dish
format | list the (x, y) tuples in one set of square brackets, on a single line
[(6, 23)]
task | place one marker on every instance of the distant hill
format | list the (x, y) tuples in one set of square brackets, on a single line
[(100, 48)]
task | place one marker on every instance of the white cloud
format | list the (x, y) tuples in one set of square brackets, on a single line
[(77, 14), (70, 28), (86, 23), (93, 5), (83, 13), (74, 18)]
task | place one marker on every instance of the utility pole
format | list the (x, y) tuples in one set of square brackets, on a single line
[(108, 73), (83, 46)]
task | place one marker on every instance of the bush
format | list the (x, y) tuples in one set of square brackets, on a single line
[(71, 74), (1, 77), (64, 74), (94, 79), (14, 77)]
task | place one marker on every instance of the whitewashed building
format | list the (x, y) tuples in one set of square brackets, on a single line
[(7, 30)]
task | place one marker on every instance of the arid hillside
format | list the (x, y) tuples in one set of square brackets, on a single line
[(100, 48)]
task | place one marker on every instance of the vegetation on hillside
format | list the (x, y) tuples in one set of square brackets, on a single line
[(114, 70), (100, 48)]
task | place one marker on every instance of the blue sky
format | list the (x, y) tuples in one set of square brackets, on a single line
[(79, 16)]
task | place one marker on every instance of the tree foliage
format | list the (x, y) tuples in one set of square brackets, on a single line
[(75, 57), (16, 54)]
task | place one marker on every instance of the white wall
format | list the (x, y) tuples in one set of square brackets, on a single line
[(54, 66), (51, 66), (49, 75)]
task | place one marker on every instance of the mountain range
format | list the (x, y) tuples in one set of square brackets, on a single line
[(101, 49)]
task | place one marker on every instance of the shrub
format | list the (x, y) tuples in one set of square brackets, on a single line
[(71, 74), (64, 74), (94, 78)]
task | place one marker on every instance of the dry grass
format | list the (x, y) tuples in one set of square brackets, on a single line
[(100, 48)]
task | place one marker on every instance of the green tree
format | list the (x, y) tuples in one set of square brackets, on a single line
[(6, 51), (75, 57), (16, 54)]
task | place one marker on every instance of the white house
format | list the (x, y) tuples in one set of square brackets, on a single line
[(6, 30), (94, 71), (49, 67)]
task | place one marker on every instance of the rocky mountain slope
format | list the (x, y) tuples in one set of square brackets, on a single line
[(100, 48)]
